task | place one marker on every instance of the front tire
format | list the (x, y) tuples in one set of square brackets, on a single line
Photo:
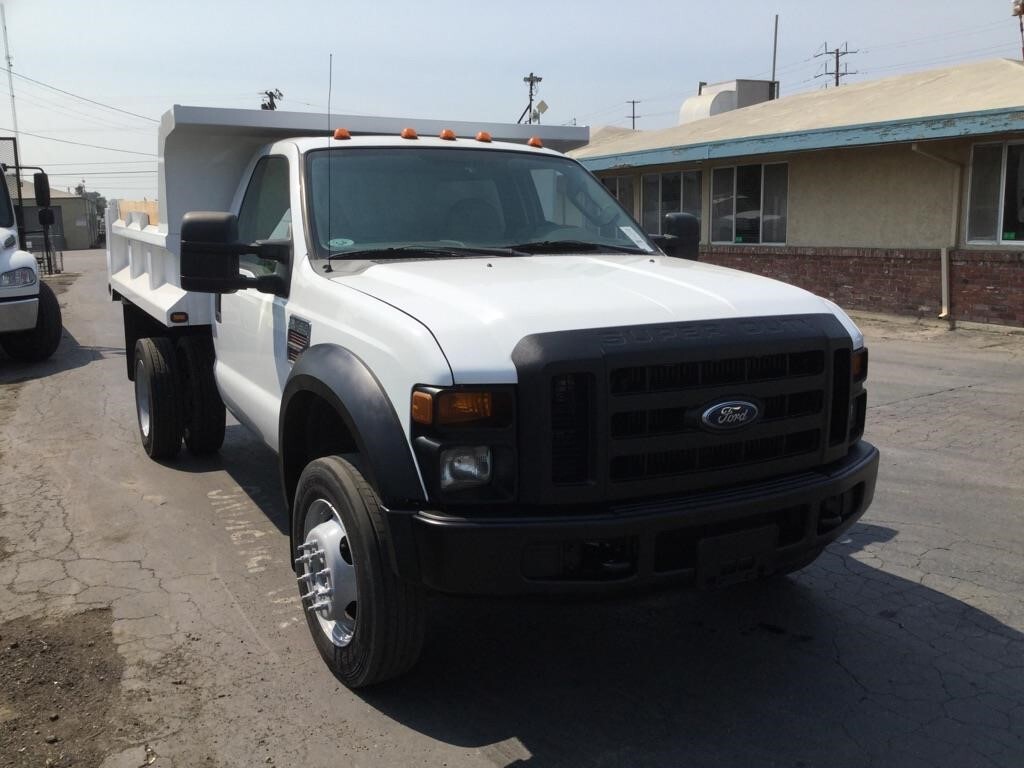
[(367, 622), (157, 397), (39, 343)]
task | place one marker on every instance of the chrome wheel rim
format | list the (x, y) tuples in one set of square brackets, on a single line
[(142, 398), (327, 582)]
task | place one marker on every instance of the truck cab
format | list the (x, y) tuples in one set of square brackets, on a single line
[(481, 377), (30, 319)]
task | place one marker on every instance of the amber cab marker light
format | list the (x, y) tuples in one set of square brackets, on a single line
[(859, 365), (484, 136), (408, 133), (461, 407), (422, 408), (179, 317), (342, 133), (448, 134), (536, 142)]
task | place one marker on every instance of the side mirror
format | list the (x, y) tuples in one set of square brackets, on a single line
[(41, 182), (46, 217), (210, 251), (682, 236)]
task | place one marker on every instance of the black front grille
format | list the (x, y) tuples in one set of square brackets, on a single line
[(619, 411), (570, 428), (668, 399), (714, 373), (637, 466)]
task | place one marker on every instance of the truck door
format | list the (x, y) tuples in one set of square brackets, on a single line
[(251, 329)]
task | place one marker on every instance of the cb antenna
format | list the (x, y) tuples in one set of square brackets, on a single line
[(330, 132)]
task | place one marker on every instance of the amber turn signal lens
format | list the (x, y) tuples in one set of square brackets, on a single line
[(409, 133), (422, 408), (448, 134), (483, 136), (179, 317), (342, 133), (536, 142), (463, 407), (859, 365)]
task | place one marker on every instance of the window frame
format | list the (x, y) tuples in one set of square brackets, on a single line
[(682, 172), (250, 260), (1000, 211), (760, 208)]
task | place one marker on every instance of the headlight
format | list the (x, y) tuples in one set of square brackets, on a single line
[(465, 467), (18, 278)]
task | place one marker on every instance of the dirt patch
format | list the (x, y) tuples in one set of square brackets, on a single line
[(60, 283), (58, 686)]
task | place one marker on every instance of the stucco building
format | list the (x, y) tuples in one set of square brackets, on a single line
[(902, 195)]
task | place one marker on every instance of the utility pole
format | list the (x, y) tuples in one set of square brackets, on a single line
[(531, 80), (634, 115), (1018, 11), (270, 99), (836, 72), (775, 51), (10, 63)]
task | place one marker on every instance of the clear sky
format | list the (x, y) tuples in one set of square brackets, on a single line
[(434, 59)]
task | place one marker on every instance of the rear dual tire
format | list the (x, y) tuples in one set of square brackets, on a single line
[(176, 397)]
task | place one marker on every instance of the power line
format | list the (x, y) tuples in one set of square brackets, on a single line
[(81, 144), (83, 98), (49, 104), (948, 58), (108, 162), (100, 173), (930, 38)]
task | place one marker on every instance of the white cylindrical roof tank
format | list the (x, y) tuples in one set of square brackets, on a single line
[(706, 105)]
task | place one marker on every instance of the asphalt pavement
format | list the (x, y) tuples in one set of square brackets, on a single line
[(903, 645)]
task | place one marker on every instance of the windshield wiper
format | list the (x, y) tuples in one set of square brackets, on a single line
[(419, 251), (570, 246)]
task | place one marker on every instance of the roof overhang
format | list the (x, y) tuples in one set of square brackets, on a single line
[(929, 128)]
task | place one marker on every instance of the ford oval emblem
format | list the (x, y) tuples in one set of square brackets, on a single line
[(731, 414)]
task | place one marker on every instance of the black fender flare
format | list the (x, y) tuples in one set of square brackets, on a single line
[(346, 383)]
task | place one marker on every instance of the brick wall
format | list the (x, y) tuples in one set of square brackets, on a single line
[(985, 286)]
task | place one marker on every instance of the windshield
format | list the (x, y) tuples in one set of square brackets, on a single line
[(6, 212), (387, 198)]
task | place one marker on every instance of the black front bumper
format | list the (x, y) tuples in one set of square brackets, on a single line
[(701, 539)]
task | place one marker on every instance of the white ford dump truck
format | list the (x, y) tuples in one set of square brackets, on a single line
[(30, 319), (478, 374)]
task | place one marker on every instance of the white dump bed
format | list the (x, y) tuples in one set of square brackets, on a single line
[(203, 153)]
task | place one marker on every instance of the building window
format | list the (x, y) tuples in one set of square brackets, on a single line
[(995, 208), (663, 193), (749, 203), (621, 188)]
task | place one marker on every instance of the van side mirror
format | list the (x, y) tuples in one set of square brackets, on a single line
[(210, 251), (682, 236), (41, 182), (46, 217)]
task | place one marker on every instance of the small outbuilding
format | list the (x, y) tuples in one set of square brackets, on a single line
[(903, 195)]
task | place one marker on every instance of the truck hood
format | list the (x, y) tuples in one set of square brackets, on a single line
[(479, 309)]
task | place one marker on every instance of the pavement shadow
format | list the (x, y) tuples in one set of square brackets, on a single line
[(69, 355), (841, 664), (250, 464)]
